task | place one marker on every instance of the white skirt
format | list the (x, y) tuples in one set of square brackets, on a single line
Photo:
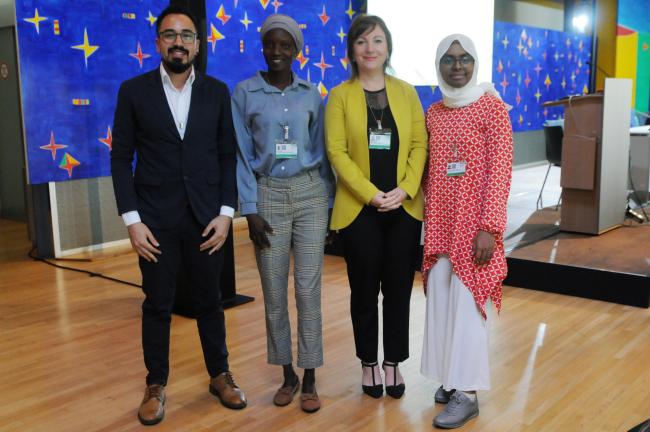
[(455, 348)]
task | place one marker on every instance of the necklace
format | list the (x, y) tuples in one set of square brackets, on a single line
[(372, 111)]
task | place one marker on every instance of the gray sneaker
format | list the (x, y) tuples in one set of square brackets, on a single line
[(458, 411), (442, 396)]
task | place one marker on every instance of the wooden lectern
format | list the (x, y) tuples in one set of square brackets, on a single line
[(595, 152)]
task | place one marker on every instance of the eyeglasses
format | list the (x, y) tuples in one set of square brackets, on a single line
[(169, 36), (464, 60)]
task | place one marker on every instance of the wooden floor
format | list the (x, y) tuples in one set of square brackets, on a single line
[(70, 358), (625, 249)]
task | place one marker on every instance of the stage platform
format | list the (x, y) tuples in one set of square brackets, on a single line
[(613, 267)]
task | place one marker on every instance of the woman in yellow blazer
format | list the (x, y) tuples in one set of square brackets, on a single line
[(376, 142)]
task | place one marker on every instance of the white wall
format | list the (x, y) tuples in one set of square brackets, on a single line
[(417, 26)]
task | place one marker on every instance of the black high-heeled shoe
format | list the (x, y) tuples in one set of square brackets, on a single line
[(375, 390), (395, 391)]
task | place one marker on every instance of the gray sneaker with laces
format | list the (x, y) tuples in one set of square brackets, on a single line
[(458, 411), (442, 396)]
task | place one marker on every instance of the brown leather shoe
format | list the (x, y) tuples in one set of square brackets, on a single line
[(309, 402), (152, 408), (231, 396), (284, 395)]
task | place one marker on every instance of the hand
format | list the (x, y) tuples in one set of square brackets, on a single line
[(220, 225), (143, 241), (258, 228), (394, 199), (378, 200), (483, 248)]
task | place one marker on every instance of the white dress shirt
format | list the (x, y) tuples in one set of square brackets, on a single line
[(179, 105)]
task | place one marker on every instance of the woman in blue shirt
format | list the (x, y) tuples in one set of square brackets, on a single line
[(285, 188)]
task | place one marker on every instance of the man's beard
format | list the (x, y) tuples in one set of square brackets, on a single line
[(177, 67)]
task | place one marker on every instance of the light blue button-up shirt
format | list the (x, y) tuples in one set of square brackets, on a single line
[(260, 112)]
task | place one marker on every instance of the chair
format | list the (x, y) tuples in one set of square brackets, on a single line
[(553, 137)]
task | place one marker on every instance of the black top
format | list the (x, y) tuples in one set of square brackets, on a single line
[(383, 163)]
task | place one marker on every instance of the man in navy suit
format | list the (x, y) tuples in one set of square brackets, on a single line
[(179, 203)]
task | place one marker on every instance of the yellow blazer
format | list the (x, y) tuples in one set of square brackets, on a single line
[(346, 139)]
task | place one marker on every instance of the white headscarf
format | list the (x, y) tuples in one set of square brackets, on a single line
[(470, 92)]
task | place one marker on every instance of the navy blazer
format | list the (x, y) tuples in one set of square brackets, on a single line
[(172, 173)]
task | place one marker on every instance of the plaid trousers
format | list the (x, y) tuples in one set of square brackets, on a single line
[(297, 210)]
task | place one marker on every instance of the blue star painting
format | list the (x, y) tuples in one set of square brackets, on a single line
[(533, 65), (235, 49), (72, 61)]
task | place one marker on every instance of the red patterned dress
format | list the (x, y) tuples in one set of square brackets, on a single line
[(456, 207)]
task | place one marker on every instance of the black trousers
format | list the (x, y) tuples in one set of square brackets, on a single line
[(180, 246), (380, 250)]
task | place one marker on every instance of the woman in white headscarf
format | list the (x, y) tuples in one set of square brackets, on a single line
[(466, 188)]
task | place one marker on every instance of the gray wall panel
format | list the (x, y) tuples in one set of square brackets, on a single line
[(529, 147), (87, 213), (12, 162)]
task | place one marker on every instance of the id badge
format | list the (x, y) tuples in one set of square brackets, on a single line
[(286, 149), (457, 168), (379, 139)]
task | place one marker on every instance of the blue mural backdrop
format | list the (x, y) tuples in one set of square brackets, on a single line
[(235, 49), (73, 58), (533, 65)]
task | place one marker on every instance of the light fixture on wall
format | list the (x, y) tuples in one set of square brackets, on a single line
[(580, 22), (582, 16)]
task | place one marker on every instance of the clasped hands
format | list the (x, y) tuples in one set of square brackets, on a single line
[(387, 201), (146, 245)]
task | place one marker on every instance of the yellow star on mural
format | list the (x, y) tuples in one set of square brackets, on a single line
[(246, 21), (341, 34), (350, 12), (222, 16), (36, 20), (152, 19), (322, 90), (302, 60), (86, 47), (214, 36), (520, 47)]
